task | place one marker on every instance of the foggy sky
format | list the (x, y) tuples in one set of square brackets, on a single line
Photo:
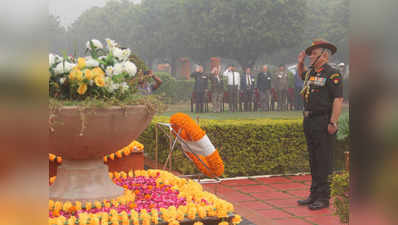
[(68, 11)]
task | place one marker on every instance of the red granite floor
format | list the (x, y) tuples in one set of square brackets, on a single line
[(272, 200)]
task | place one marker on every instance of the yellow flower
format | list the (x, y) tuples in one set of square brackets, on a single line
[(115, 203), (97, 72), (174, 222), (202, 212), (192, 213), (78, 205), (82, 89), (115, 221), (223, 223), (104, 218), (89, 74), (76, 74), (198, 223), (93, 221), (83, 219), (221, 213), (61, 220), (99, 81), (66, 206), (172, 212), (72, 220), (155, 217), (50, 204), (81, 63), (57, 206), (72, 74), (88, 205), (125, 218), (237, 219)]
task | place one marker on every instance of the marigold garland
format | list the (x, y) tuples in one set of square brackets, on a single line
[(237, 219), (190, 131), (134, 146)]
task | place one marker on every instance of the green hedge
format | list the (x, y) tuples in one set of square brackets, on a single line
[(340, 192), (174, 91), (251, 147)]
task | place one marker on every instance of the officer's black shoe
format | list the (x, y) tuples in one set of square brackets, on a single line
[(319, 204), (307, 201)]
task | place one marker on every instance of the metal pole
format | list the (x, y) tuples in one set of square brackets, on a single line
[(171, 149), (156, 146)]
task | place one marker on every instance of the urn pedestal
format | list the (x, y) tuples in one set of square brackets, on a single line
[(82, 138)]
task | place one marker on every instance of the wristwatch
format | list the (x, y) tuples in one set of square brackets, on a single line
[(333, 124)]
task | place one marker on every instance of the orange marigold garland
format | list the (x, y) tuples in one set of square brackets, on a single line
[(198, 141), (134, 146)]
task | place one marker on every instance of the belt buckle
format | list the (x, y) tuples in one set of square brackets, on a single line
[(306, 113)]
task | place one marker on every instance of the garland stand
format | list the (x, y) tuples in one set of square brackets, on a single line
[(174, 136)]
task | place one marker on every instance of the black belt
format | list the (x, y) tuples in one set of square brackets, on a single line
[(315, 113)]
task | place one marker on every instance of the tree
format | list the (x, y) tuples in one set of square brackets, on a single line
[(56, 34), (243, 30), (116, 20), (161, 30), (328, 19)]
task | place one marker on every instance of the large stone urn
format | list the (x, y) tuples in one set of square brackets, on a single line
[(82, 138)]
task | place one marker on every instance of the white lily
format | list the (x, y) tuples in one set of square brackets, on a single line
[(97, 44), (118, 53), (126, 54), (62, 80), (64, 67), (111, 43), (51, 59), (54, 59)]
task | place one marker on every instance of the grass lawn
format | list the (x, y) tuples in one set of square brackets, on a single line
[(185, 108)]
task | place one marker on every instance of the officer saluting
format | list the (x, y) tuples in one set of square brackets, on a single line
[(323, 98)]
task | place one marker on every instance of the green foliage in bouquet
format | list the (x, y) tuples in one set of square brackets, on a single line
[(340, 192)]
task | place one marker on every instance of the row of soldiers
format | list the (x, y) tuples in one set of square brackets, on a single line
[(254, 93)]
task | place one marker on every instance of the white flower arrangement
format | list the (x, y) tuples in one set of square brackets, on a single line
[(106, 72)]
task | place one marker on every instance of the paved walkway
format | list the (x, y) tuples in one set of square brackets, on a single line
[(272, 201)]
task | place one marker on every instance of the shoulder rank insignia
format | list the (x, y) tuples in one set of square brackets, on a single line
[(336, 75)]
